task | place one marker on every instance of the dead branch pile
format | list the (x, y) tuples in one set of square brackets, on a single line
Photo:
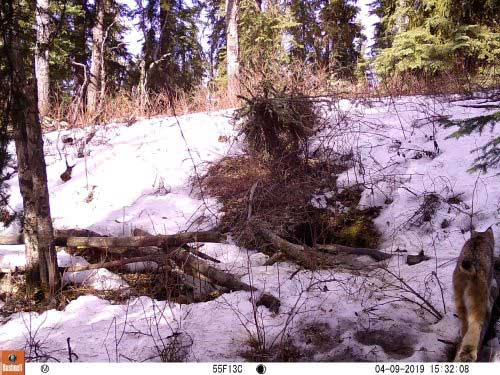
[(178, 263), (281, 196)]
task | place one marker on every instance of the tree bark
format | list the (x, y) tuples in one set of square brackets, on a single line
[(42, 56), (42, 273), (233, 52), (95, 62)]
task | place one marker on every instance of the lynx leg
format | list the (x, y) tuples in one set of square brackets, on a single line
[(477, 313), (470, 343), (462, 315)]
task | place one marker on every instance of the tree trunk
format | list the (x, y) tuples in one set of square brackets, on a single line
[(95, 62), (42, 273), (233, 53), (42, 56)]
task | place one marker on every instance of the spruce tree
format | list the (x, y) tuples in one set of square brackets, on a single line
[(327, 34), (434, 37), (172, 53)]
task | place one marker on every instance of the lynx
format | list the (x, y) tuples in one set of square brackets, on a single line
[(475, 291)]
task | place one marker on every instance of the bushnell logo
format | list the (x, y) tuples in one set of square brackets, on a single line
[(12, 362)]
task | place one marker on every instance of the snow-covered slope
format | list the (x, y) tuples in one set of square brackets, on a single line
[(138, 176)]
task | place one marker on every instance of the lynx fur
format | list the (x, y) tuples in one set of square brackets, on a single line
[(475, 291)]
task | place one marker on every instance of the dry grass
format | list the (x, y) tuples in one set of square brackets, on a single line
[(16, 299), (125, 106), (283, 198), (447, 84), (319, 83)]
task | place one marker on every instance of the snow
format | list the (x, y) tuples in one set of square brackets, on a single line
[(139, 176)]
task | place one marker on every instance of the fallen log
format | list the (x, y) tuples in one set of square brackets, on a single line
[(16, 269), (60, 236), (84, 238), (412, 260), (276, 257), (201, 255), (137, 232), (195, 266), (12, 239), (304, 255), (359, 251), (198, 290), (160, 259), (319, 256), (162, 241), (140, 232), (200, 269)]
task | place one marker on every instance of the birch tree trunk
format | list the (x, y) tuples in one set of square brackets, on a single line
[(42, 56), (42, 273), (93, 89), (233, 52)]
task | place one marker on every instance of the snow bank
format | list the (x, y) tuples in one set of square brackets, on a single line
[(138, 176)]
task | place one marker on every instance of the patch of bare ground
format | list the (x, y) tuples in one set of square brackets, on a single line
[(310, 343), (395, 343), (285, 351)]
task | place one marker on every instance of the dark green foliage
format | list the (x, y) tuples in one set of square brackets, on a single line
[(7, 12), (261, 31), (70, 43), (117, 60), (327, 34), (384, 29), (216, 38), (419, 51), (172, 50), (489, 157), (277, 122), (320, 33), (432, 38), (71, 23)]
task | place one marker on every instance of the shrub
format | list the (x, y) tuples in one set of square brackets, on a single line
[(277, 123)]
